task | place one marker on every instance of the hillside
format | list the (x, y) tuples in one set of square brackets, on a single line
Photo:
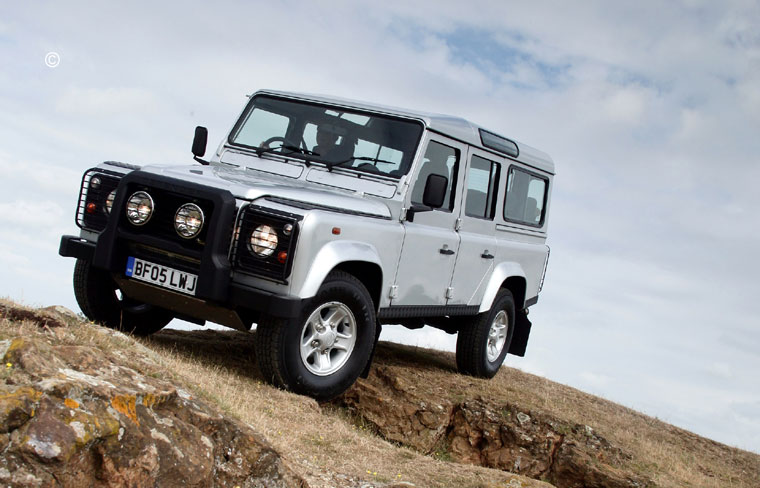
[(81, 405)]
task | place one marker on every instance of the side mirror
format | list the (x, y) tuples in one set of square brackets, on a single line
[(435, 190), (199, 141), (433, 196)]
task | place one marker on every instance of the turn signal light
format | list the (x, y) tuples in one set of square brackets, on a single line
[(91, 208), (282, 257)]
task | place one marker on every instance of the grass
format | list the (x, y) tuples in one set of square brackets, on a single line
[(329, 446), (671, 456), (323, 443)]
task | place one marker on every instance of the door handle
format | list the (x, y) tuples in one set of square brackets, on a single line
[(486, 255), (446, 251)]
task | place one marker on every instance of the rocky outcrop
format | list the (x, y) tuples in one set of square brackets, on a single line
[(389, 403), (480, 432), (83, 415)]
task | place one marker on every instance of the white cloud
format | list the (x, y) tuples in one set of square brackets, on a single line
[(595, 381), (721, 369), (626, 104), (110, 101)]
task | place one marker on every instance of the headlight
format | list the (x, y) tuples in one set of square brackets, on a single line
[(139, 208), (109, 201), (263, 241), (188, 221)]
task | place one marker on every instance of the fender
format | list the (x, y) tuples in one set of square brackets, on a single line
[(501, 272), (331, 255)]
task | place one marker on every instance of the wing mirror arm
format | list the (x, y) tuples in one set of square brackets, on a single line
[(415, 209)]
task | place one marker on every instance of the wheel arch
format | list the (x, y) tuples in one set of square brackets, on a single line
[(370, 274), (509, 276), (356, 258)]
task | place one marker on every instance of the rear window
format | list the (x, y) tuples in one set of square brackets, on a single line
[(526, 197)]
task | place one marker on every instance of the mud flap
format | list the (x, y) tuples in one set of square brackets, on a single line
[(365, 373), (520, 336)]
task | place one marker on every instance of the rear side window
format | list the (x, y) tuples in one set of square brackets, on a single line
[(526, 197), (482, 182)]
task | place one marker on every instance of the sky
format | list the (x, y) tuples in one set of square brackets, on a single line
[(650, 110)]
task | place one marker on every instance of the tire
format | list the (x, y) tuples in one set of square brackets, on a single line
[(323, 351), (96, 294), (483, 341)]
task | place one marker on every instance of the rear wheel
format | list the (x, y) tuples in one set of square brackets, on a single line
[(483, 341), (324, 350), (101, 301)]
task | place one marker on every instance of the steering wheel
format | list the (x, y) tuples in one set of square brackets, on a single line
[(266, 144), (284, 142)]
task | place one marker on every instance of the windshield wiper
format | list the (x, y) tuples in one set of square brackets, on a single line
[(291, 149), (301, 150), (330, 165), (263, 150)]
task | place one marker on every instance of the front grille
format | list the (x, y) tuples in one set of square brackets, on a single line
[(244, 259), (92, 213), (160, 256)]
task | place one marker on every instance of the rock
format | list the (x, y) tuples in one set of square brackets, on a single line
[(73, 415), (505, 437), (55, 316), (396, 412)]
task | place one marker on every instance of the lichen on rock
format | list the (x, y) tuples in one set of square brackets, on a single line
[(79, 415)]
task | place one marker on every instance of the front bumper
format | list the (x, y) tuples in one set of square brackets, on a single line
[(238, 296)]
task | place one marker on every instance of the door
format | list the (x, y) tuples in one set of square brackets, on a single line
[(477, 248), (431, 242)]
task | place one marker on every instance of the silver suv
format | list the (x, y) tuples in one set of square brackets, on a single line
[(319, 219)]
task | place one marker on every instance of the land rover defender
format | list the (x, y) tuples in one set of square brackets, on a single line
[(319, 219)]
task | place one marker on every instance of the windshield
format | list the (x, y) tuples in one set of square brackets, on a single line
[(335, 136)]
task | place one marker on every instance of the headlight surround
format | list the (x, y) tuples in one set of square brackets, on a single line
[(139, 208), (188, 221), (263, 241)]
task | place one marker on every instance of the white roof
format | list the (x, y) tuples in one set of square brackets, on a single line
[(454, 127)]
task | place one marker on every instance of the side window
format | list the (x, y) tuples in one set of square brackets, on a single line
[(482, 182), (526, 194), (260, 126), (441, 160)]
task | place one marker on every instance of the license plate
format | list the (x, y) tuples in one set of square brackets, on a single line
[(160, 275)]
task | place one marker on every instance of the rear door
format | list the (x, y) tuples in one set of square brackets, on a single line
[(477, 247)]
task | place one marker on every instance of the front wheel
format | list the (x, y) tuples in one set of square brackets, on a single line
[(101, 301), (484, 340), (324, 350)]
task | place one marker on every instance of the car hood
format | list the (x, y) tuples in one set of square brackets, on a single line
[(250, 185)]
